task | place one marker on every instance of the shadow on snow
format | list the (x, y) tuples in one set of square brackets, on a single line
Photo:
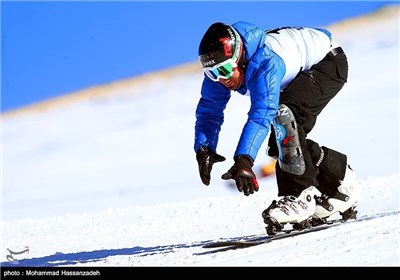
[(83, 257)]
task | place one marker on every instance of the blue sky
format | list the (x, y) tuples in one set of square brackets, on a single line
[(53, 48)]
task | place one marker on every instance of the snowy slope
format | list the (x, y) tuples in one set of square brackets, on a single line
[(108, 176)]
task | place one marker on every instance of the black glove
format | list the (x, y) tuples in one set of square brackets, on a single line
[(206, 158), (243, 175)]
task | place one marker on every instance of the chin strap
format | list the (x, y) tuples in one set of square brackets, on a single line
[(242, 61)]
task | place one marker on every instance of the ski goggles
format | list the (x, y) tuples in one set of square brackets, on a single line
[(222, 70)]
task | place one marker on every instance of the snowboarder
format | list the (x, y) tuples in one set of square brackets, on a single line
[(290, 74)]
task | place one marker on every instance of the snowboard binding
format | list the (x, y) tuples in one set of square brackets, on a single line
[(274, 227)]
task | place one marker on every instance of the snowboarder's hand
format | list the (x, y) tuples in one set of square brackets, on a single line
[(243, 175), (206, 158)]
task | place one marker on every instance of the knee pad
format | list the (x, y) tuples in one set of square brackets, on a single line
[(291, 157)]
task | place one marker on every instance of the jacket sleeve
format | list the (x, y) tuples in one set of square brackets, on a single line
[(264, 85), (210, 114)]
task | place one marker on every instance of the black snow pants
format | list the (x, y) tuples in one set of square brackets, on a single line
[(306, 96)]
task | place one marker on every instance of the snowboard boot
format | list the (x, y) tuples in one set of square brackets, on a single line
[(343, 200), (297, 211)]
